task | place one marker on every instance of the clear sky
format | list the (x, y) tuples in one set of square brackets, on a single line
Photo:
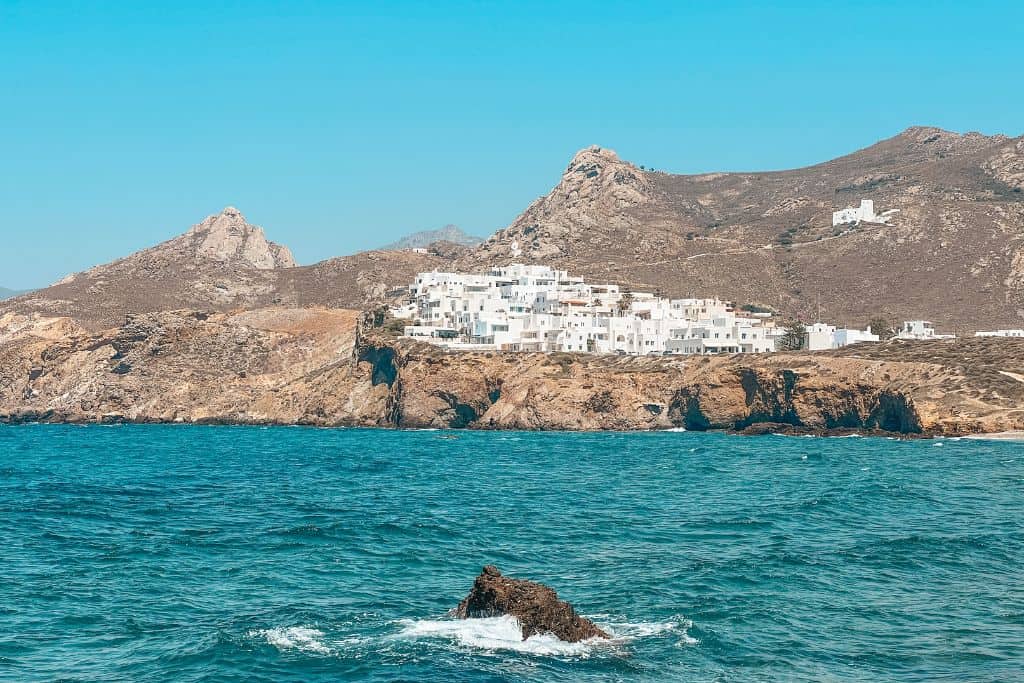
[(341, 126)]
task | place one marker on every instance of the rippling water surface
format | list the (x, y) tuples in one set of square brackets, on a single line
[(223, 553)]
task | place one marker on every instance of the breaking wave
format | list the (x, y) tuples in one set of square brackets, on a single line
[(505, 633), (302, 638)]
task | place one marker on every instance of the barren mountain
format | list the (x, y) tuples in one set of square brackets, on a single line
[(449, 233), (954, 252), (220, 264)]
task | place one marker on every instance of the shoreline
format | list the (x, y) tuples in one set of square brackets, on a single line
[(754, 430), (1015, 435)]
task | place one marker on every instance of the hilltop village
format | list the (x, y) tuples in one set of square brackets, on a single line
[(538, 308)]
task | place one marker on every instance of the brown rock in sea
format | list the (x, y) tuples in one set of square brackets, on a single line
[(536, 606)]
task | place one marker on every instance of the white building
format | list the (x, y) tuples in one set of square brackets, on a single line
[(845, 337), (865, 213), (920, 330), (537, 308), (821, 336), (1001, 333)]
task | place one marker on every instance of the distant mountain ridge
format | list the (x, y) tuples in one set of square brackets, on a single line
[(10, 293), (424, 238)]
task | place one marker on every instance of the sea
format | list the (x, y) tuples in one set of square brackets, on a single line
[(215, 553)]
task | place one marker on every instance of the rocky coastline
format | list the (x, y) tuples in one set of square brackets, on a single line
[(315, 367)]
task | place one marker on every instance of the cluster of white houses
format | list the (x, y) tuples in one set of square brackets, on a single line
[(537, 308)]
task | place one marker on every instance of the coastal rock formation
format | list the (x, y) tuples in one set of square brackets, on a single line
[(535, 606), (305, 366), (282, 365), (923, 388), (276, 365)]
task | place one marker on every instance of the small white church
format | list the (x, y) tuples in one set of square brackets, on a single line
[(865, 213)]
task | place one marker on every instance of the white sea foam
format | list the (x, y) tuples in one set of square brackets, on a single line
[(302, 638), (674, 429), (628, 631), (505, 633), (492, 633)]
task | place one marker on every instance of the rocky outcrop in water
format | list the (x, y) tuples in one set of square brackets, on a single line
[(534, 605)]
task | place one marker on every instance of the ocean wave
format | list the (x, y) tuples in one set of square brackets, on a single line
[(493, 633), (627, 631), (505, 633), (302, 638)]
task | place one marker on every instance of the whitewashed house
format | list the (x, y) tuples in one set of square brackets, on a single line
[(920, 330), (845, 336), (1001, 333), (821, 336), (537, 308), (865, 213)]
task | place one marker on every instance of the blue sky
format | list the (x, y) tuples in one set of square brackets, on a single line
[(341, 126)]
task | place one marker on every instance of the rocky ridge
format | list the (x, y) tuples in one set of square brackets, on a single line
[(762, 238), (767, 237), (310, 366)]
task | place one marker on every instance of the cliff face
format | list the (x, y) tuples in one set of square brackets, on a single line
[(309, 366), (265, 366), (900, 389)]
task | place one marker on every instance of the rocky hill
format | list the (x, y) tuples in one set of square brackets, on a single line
[(218, 263), (452, 234), (954, 252), (309, 366), (221, 264)]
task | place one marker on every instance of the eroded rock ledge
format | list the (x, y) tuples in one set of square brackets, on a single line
[(908, 389), (310, 366)]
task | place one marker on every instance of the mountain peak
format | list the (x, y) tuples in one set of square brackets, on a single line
[(591, 161), (934, 137), (227, 236)]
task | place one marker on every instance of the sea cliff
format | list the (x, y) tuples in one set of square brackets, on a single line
[(314, 367)]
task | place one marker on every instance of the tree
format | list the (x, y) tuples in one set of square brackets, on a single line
[(794, 338), (625, 301), (882, 327)]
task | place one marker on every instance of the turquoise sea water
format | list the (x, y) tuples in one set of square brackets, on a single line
[(221, 553)]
